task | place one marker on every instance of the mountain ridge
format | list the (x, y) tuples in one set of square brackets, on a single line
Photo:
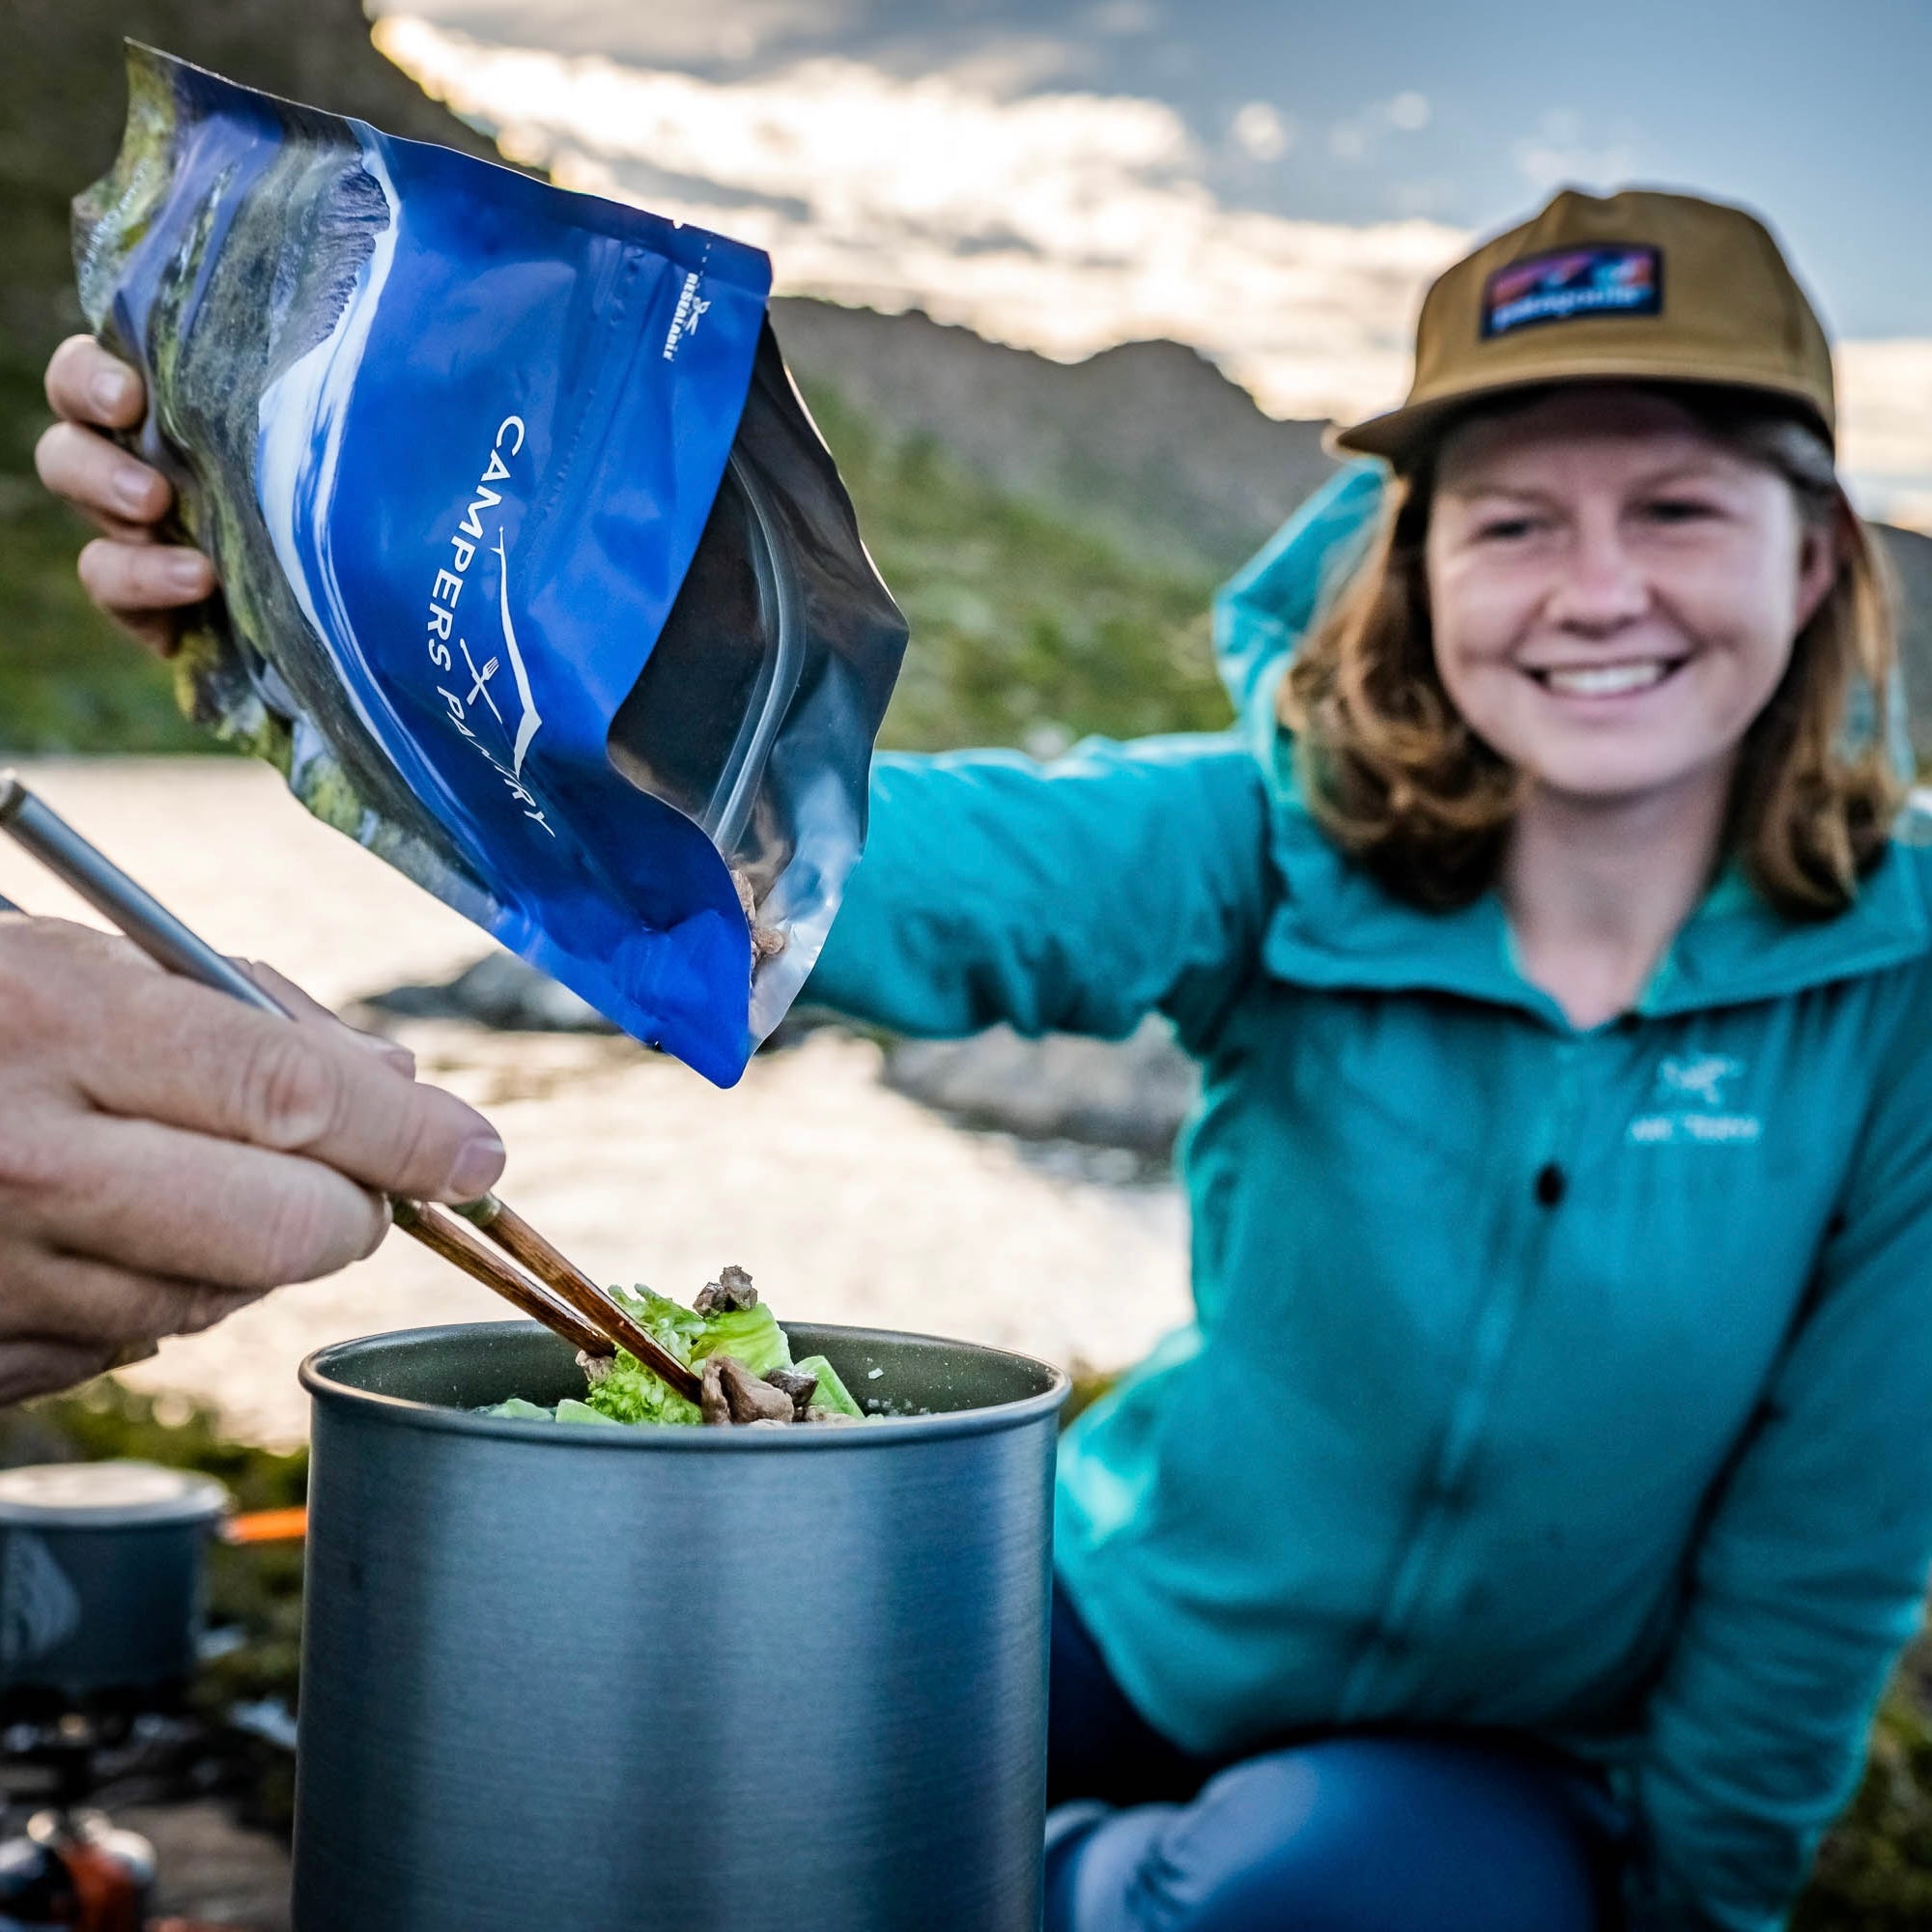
[(1148, 442)]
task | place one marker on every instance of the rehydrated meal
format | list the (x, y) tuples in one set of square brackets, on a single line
[(748, 1377), (767, 940)]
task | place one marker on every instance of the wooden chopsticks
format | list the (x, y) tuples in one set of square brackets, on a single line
[(554, 1290)]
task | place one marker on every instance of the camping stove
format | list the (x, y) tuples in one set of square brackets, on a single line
[(101, 1624)]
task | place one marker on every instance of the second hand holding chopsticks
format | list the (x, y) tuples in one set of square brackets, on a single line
[(568, 1302)]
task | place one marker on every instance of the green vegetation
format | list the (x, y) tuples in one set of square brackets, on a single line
[(1874, 1872), (1026, 627), (68, 680)]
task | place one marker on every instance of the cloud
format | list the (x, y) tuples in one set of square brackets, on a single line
[(1061, 222), (1123, 18), (1884, 414), (715, 31), (1262, 132), (1427, 195), (1355, 139), (1560, 154)]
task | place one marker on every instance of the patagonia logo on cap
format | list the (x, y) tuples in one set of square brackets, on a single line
[(1608, 278)]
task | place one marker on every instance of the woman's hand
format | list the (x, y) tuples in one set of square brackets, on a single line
[(166, 1155), (140, 582)]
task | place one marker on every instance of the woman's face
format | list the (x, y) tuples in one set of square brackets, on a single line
[(1615, 593)]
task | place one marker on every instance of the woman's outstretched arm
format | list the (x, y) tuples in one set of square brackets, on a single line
[(1076, 897)]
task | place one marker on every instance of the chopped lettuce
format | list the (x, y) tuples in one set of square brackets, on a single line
[(630, 1393), (570, 1410), (623, 1390), (830, 1393), (752, 1334), (669, 1323), (627, 1391)]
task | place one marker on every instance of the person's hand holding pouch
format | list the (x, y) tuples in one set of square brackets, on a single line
[(139, 580)]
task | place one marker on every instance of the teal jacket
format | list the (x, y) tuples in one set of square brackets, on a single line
[(1577, 1381)]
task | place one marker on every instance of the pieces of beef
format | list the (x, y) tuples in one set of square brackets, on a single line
[(800, 1387), (732, 1290), (731, 1392)]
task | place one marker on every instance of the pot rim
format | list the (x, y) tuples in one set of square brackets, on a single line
[(317, 1376), (82, 1496)]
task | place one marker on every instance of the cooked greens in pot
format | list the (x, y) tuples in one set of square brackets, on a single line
[(740, 1352)]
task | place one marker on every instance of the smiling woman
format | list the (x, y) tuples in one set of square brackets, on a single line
[(1615, 594), (1619, 603), (1581, 1494)]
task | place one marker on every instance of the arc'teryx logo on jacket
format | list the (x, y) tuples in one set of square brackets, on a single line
[(1686, 1105)]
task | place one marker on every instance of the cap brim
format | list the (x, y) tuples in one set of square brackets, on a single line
[(1399, 437)]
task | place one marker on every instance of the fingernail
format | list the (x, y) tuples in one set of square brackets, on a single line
[(187, 572), (478, 1165), (110, 389), (130, 487)]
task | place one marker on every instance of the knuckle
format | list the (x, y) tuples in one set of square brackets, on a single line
[(33, 1168), (55, 979), (289, 1096)]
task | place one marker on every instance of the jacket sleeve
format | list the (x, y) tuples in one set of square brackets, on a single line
[(1075, 898), (1811, 1570)]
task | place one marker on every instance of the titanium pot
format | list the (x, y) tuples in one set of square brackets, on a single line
[(689, 1679), (101, 1576)]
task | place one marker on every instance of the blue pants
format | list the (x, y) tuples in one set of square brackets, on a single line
[(1359, 1833)]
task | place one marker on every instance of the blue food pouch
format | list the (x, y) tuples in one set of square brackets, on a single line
[(536, 577)]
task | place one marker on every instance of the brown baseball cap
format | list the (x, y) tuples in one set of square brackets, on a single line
[(1634, 287)]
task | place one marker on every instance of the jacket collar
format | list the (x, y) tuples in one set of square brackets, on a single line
[(1334, 927)]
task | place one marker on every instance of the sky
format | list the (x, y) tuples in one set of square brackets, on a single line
[(1272, 184)]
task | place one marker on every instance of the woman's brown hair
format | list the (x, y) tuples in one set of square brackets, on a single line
[(1399, 781)]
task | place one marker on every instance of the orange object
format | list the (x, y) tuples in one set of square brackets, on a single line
[(109, 1894), (289, 1525)]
